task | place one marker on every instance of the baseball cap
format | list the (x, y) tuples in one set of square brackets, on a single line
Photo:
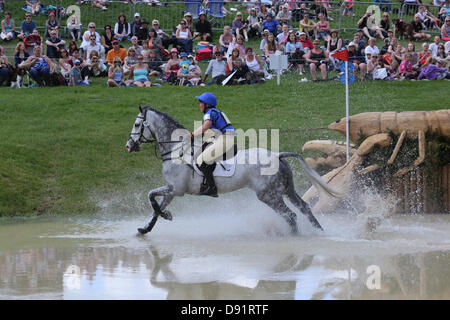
[(190, 56), (302, 33), (183, 54), (352, 44), (137, 14), (174, 50), (76, 61), (266, 31), (115, 41)]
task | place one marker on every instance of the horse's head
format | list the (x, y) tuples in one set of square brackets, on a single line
[(141, 131)]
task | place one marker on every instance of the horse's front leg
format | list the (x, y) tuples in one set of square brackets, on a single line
[(165, 192)]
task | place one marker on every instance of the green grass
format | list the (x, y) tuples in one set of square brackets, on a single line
[(61, 145)]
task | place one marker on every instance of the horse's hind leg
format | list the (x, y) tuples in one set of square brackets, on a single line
[(304, 208), (276, 203)]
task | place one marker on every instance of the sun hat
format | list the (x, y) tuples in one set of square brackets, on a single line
[(174, 50)]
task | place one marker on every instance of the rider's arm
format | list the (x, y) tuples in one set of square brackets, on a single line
[(205, 126)]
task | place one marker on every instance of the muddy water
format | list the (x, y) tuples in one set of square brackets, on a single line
[(230, 248)]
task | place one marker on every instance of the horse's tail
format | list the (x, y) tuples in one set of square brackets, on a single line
[(312, 175)]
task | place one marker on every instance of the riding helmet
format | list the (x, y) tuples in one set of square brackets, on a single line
[(208, 98)]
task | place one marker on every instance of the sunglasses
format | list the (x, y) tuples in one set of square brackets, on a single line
[(183, 23), (91, 27), (155, 24)]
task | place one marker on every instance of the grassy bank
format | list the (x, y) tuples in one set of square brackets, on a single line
[(59, 145)]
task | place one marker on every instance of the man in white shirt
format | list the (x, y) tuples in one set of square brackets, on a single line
[(93, 45), (434, 46), (370, 49)]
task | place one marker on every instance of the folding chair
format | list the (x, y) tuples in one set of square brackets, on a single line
[(194, 7), (215, 8)]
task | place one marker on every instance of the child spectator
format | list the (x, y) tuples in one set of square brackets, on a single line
[(406, 68), (75, 78)]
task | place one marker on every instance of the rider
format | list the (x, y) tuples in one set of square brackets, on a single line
[(217, 121)]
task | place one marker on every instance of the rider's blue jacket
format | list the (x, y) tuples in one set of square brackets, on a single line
[(219, 120)]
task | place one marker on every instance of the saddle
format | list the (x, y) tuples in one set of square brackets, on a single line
[(225, 167)]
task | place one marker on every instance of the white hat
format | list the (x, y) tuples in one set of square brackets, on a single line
[(352, 44), (137, 14), (285, 5)]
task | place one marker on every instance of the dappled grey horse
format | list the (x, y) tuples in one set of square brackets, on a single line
[(153, 126)]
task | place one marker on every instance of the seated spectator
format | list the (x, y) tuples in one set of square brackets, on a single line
[(8, 28), (254, 26), (72, 47), (74, 27), (117, 51), (27, 27), (265, 34), (271, 24), (240, 26), (64, 63), (240, 71), (116, 74), (142, 31), (101, 4), (122, 29), (33, 40), (294, 50), (138, 74), (51, 23), (130, 60), (93, 46), (135, 45), (239, 44), (96, 66), (317, 59), (427, 18), (271, 46), (411, 48), (136, 24), (282, 37), (184, 36), (172, 66), (358, 61), (87, 35), (323, 28), (145, 51), (255, 66), (444, 12), (334, 45), (424, 54), (418, 28), (194, 76), (216, 68), (203, 28), (369, 31), (154, 64), (348, 9), (385, 24), (441, 52), (235, 53), (284, 16), (445, 29), (39, 66), (370, 49), (263, 12), (189, 22), (54, 45), (20, 56), (75, 78), (107, 38), (184, 68), (306, 43), (434, 46), (406, 70), (434, 70), (33, 6), (308, 26), (155, 43), (166, 39), (4, 67), (374, 65), (226, 39)]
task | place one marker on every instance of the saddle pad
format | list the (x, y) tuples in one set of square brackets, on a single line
[(223, 168)]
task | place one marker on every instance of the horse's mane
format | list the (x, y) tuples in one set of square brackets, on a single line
[(173, 124)]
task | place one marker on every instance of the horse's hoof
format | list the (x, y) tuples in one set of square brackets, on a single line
[(142, 230), (166, 215)]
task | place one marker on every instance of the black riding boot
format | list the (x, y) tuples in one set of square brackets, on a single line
[(208, 187)]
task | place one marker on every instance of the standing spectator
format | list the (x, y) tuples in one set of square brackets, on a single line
[(271, 24), (74, 27), (308, 26), (8, 28), (184, 36), (284, 16), (27, 26), (225, 39), (54, 44), (357, 60), (334, 45), (142, 31), (203, 28), (317, 59), (122, 29), (39, 66), (33, 6), (87, 35), (348, 9), (136, 24), (93, 46), (107, 38), (51, 23), (370, 49), (216, 68), (239, 26), (117, 51), (254, 27), (116, 74), (418, 28)]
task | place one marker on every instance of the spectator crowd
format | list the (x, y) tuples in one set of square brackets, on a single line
[(130, 53)]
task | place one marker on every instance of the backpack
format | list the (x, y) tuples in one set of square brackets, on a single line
[(57, 79)]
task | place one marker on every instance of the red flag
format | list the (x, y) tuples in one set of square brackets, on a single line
[(341, 55)]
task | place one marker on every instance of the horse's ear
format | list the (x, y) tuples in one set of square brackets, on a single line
[(140, 108)]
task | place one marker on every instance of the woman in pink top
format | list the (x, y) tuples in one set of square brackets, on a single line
[(406, 68)]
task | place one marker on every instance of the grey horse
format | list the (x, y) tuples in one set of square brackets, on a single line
[(153, 126)]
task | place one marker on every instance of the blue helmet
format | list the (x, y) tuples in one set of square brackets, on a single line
[(208, 98)]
